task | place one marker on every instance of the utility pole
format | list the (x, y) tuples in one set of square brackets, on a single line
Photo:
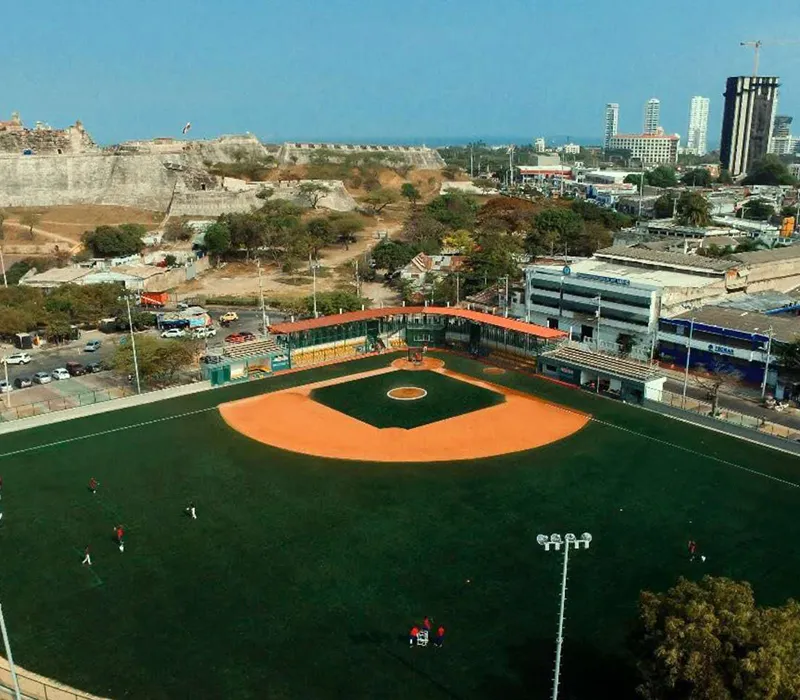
[(688, 356), (597, 325), (12, 668), (133, 345), (3, 265), (555, 541), (506, 304), (8, 386), (358, 280), (510, 166), (261, 296), (471, 161), (458, 297), (641, 194), (313, 265), (766, 365)]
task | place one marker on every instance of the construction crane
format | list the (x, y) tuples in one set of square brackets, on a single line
[(757, 48)]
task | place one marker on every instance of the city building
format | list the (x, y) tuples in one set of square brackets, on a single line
[(540, 173), (794, 169), (572, 149), (424, 269), (650, 149), (539, 145), (783, 145), (747, 121), (611, 122), (698, 126), (652, 115), (782, 126)]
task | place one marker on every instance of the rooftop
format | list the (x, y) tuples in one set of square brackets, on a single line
[(671, 137), (785, 329), (638, 276), (621, 367), (57, 275), (764, 302), (475, 316), (660, 257), (766, 256)]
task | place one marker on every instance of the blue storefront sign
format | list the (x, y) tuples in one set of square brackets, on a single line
[(721, 350)]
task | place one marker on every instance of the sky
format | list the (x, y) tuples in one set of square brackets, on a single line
[(418, 71)]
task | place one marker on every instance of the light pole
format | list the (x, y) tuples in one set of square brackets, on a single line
[(766, 365), (261, 297), (3, 265), (11, 666), (555, 541), (597, 325), (133, 346), (8, 386), (314, 265), (688, 356)]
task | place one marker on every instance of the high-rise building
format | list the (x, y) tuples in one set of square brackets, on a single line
[(747, 121), (612, 122), (782, 126), (698, 126), (650, 149), (652, 115), (539, 145)]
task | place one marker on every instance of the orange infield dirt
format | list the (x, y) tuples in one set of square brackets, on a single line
[(427, 363), (292, 420), (407, 393)]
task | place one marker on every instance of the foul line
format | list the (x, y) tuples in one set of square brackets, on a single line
[(110, 431), (701, 454)]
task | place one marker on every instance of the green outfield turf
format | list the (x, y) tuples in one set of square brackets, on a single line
[(301, 576), (367, 399)]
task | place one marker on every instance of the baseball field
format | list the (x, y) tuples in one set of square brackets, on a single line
[(303, 573)]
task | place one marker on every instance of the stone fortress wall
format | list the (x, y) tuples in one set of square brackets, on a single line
[(420, 157)]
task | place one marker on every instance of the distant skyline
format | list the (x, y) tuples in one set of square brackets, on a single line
[(372, 70)]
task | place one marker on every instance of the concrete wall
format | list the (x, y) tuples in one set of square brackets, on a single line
[(32, 685)]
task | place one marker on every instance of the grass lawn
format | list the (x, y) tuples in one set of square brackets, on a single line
[(366, 399), (302, 576)]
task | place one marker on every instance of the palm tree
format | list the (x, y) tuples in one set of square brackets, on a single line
[(693, 209)]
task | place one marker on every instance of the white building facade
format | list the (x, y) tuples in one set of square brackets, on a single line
[(650, 149), (539, 145), (652, 115), (611, 122), (696, 142)]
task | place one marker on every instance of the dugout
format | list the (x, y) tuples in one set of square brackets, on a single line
[(339, 336), (254, 360), (613, 376)]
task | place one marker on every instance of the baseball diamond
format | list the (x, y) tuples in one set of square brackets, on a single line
[(319, 537)]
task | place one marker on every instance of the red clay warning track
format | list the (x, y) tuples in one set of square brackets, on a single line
[(292, 420)]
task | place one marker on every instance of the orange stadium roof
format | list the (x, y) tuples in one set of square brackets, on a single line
[(476, 316)]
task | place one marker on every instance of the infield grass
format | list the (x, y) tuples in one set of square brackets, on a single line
[(367, 399), (302, 576)]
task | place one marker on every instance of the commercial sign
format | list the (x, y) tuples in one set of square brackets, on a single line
[(721, 350), (605, 280)]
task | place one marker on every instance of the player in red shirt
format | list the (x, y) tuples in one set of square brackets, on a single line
[(692, 549), (426, 623), (93, 484), (120, 533), (412, 636), (439, 637)]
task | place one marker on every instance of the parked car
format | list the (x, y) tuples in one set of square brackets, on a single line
[(204, 332), (95, 367), (75, 369), (211, 359), (247, 336), (22, 382), (173, 333), (228, 317), (242, 337), (18, 358), (60, 373), (42, 378), (182, 305), (5, 387), (92, 346)]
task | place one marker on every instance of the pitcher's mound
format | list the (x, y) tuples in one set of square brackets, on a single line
[(493, 370), (407, 393)]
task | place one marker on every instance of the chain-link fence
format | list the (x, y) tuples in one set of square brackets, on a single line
[(62, 403), (725, 415)]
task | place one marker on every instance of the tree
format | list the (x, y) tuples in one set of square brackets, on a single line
[(379, 199), (170, 260), (31, 220), (664, 206), (178, 230), (554, 228), (392, 255), (716, 376), (112, 241), (313, 192), (454, 210), (508, 214), (725, 177), (662, 176), (485, 185), (265, 192), (320, 234), (789, 356), (159, 360), (769, 170), (217, 240), (698, 177), (424, 232), (329, 303), (693, 209), (707, 640), (411, 193), (636, 179), (462, 241), (758, 209), (344, 226), (495, 257)]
